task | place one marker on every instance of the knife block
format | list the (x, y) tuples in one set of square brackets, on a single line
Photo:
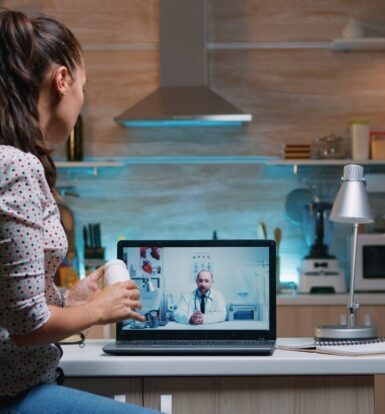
[(94, 253)]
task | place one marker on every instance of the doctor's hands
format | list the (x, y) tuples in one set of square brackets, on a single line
[(196, 318), (115, 303)]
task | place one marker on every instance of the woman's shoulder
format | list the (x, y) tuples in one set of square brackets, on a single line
[(11, 156)]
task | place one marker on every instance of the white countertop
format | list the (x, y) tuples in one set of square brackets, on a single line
[(90, 361), (298, 299)]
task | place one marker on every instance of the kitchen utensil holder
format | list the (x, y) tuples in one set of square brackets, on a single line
[(94, 253)]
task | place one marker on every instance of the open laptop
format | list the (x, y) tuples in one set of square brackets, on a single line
[(200, 297)]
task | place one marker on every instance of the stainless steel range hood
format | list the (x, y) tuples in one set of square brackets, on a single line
[(183, 98)]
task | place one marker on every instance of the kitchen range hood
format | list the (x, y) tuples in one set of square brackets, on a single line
[(183, 98)]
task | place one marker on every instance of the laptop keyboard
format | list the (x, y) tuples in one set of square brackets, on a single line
[(197, 343)]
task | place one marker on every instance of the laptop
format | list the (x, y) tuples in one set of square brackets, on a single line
[(200, 297)]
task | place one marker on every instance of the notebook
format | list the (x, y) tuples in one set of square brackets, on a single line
[(200, 297), (357, 347)]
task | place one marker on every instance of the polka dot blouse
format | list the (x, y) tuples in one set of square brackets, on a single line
[(32, 245)]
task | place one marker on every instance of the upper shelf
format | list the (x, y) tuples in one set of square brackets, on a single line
[(178, 159), (87, 164), (363, 43), (71, 168), (94, 166), (326, 162), (296, 164)]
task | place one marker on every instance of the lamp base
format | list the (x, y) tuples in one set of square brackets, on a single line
[(341, 332)]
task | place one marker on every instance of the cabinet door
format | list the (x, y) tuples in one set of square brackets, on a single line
[(250, 395), (102, 332), (300, 320), (374, 314)]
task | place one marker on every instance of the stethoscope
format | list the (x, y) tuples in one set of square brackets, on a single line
[(197, 299)]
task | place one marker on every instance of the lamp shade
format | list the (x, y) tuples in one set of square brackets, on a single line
[(351, 204)]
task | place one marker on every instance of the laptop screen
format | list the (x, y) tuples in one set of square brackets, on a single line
[(202, 289)]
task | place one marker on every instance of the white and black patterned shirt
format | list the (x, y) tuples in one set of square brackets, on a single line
[(32, 245)]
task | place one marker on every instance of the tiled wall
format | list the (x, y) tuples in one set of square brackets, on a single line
[(191, 201)]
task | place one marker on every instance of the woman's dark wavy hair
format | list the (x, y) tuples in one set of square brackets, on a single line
[(28, 49)]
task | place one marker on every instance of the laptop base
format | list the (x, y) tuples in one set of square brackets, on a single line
[(263, 348)]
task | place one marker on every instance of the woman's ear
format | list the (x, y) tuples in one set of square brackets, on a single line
[(60, 81)]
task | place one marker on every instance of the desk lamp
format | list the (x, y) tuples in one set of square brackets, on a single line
[(350, 206)]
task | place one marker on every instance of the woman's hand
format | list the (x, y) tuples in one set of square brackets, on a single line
[(83, 291), (115, 303)]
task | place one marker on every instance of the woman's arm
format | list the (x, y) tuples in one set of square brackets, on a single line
[(24, 312), (112, 304)]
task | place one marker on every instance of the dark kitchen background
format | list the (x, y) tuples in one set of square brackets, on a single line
[(271, 59)]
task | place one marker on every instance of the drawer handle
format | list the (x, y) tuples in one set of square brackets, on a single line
[(166, 403)]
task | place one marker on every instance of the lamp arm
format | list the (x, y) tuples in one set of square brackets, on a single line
[(352, 306)]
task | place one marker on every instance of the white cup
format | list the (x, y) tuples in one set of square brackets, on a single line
[(115, 271)]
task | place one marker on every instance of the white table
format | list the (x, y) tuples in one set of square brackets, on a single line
[(294, 381)]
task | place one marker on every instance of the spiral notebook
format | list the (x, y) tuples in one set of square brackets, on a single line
[(366, 347)]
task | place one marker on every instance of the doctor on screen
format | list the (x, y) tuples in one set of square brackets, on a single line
[(203, 305)]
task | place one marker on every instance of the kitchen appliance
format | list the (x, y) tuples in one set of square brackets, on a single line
[(370, 262), (183, 98), (319, 271)]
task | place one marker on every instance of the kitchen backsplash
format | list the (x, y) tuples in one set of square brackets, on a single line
[(192, 201)]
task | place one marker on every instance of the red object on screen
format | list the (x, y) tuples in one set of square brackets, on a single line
[(146, 266), (155, 253)]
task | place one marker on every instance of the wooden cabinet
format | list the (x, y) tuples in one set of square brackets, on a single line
[(244, 395), (102, 332), (250, 395), (300, 321)]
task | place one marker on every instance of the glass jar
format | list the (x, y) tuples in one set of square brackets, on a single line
[(328, 147)]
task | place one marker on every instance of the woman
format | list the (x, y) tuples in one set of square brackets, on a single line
[(42, 78)]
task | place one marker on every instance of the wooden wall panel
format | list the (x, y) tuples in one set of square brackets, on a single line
[(297, 95), (116, 80), (293, 94), (121, 54), (294, 20), (99, 21)]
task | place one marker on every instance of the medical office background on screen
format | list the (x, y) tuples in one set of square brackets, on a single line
[(241, 274)]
